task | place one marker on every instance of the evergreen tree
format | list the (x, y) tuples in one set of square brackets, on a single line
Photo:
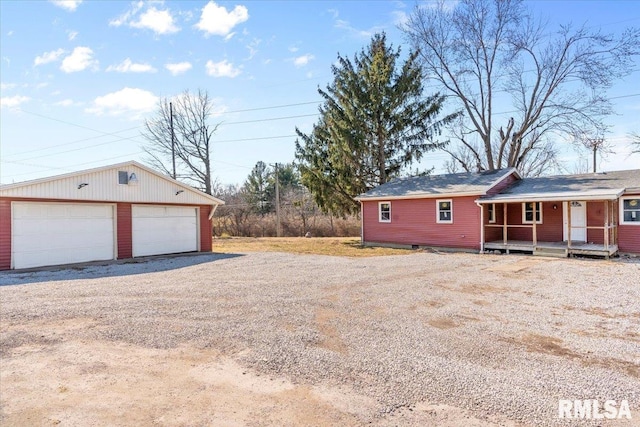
[(374, 123)]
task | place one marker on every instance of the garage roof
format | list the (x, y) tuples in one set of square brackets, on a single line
[(102, 184)]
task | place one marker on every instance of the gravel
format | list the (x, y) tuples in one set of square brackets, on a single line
[(464, 330)]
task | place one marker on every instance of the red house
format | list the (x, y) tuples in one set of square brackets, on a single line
[(592, 214)]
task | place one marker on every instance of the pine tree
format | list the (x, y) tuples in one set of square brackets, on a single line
[(374, 123)]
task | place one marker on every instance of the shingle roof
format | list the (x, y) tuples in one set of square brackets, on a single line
[(438, 185), (607, 185)]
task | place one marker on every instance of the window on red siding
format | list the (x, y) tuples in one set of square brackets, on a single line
[(631, 211), (445, 211), (384, 211), (492, 212), (527, 213)]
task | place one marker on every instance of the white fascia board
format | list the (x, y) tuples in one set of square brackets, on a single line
[(558, 197), (418, 196)]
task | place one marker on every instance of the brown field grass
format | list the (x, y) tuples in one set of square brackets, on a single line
[(336, 246)]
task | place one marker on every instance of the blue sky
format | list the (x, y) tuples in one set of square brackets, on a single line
[(78, 78)]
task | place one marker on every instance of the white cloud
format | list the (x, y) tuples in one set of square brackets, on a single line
[(303, 60), (127, 66), (70, 5), (253, 48), (294, 49), (64, 103), (222, 69), (131, 101), (125, 17), (80, 59), (7, 86), (47, 57), (71, 35), (13, 101), (9, 33), (178, 67), (159, 21), (216, 20)]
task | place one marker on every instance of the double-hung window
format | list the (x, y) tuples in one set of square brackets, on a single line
[(444, 211), (630, 212), (384, 211), (527, 212), (492, 212)]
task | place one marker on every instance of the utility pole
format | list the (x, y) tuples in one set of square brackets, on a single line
[(595, 148), (277, 203), (173, 140)]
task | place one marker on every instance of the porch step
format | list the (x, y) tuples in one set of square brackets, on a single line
[(551, 252)]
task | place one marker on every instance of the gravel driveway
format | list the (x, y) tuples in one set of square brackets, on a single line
[(439, 339)]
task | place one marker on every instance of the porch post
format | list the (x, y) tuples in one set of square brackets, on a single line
[(606, 224), (535, 234), (569, 224), (482, 228), (504, 224)]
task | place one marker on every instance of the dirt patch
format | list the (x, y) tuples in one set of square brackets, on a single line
[(102, 384), (443, 323), (518, 266), (330, 337)]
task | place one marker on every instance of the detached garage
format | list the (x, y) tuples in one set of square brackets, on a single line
[(114, 212)]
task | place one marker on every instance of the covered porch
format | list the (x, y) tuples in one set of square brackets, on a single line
[(551, 225)]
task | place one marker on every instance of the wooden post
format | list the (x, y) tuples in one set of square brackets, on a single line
[(569, 224), (504, 223), (535, 234), (606, 225), (482, 228)]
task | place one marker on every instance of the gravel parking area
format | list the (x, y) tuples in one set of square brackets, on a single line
[(281, 339)]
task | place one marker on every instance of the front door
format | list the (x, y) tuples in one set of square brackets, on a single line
[(578, 221)]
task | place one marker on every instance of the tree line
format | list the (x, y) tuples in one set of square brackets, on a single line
[(377, 121)]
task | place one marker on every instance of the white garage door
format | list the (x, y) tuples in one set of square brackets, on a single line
[(164, 230), (61, 233)]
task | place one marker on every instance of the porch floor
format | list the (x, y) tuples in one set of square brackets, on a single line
[(560, 249)]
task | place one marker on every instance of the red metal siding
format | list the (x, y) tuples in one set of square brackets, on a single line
[(5, 234), (413, 222), (206, 231), (506, 182), (628, 235), (125, 239), (492, 233), (549, 231)]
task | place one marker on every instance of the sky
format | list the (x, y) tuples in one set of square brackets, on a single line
[(78, 78)]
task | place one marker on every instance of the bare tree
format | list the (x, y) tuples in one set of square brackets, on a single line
[(635, 142), (189, 141), (486, 53)]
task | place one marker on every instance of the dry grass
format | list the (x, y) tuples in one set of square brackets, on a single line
[(336, 246)]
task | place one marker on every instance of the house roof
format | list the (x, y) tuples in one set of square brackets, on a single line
[(457, 184), (591, 186), (102, 185)]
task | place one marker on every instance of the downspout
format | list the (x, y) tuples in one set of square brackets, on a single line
[(481, 226), (361, 224)]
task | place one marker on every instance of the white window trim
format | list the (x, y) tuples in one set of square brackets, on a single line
[(380, 211), (524, 213), (621, 209), (438, 201), (492, 213)]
